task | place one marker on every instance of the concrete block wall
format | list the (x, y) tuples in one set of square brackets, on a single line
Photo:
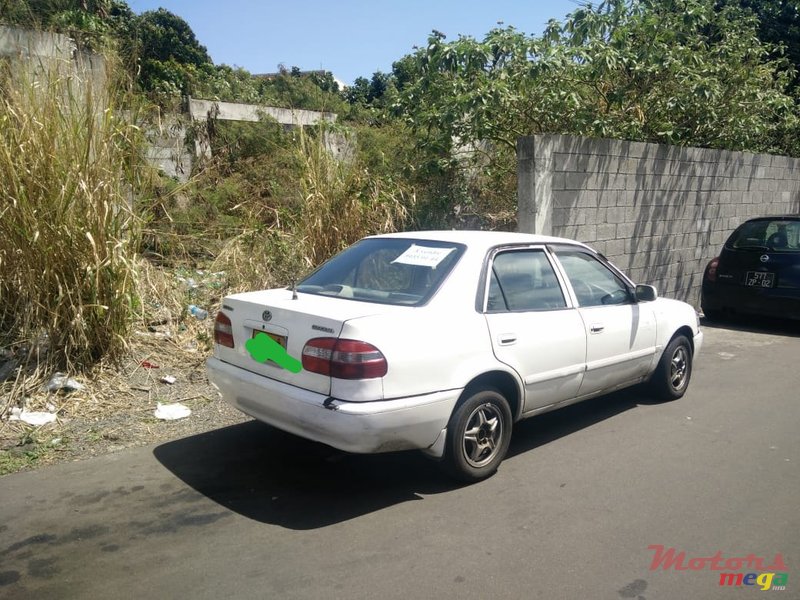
[(232, 111), (44, 56), (167, 149), (31, 45), (340, 146), (658, 212)]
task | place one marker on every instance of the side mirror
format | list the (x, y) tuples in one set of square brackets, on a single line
[(645, 293)]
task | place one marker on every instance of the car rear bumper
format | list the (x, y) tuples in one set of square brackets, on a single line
[(359, 427), (772, 302)]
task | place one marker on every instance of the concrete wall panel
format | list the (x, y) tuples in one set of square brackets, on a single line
[(660, 212), (232, 111)]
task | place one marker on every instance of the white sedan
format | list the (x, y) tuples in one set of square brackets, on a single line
[(441, 340)]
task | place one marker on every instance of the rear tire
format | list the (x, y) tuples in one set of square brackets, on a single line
[(671, 378), (478, 435)]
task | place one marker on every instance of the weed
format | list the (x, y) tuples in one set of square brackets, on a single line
[(27, 453), (11, 462), (67, 233), (341, 203)]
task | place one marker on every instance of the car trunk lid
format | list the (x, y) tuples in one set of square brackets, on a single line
[(760, 267), (290, 322)]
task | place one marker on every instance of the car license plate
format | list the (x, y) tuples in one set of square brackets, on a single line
[(281, 339), (760, 279)]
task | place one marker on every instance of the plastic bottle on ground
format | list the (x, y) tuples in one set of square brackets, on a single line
[(197, 312)]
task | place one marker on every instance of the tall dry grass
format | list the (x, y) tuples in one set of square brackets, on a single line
[(342, 202), (334, 204), (68, 235)]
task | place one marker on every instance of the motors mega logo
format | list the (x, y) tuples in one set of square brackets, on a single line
[(749, 570)]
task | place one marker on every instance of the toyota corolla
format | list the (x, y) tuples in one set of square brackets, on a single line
[(441, 341)]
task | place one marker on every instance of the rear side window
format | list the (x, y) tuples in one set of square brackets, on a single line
[(523, 280), (385, 270), (774, 235)]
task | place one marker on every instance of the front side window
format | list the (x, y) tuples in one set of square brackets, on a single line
[(593, 282), (522, 280), (385, 270)]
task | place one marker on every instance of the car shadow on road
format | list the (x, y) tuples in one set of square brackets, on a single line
[(754, 324), (538, 431), (274, 477)]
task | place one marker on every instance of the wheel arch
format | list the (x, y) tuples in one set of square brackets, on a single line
[(504, 382), (686, 332)]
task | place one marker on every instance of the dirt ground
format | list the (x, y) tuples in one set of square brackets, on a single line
[(115, 409)]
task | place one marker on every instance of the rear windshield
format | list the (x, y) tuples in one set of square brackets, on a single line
[(776, 236), (385, 270)]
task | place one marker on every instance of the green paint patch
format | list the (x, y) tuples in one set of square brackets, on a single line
[(263, 348)]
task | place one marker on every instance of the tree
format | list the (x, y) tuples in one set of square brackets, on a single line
[(293, 89), (779, 26), (325, 82), (685, 72), (168, 53), (674, 71), (377, 92), (358, 93), (164, 36)]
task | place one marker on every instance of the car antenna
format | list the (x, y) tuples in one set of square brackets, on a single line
[(294, 289)]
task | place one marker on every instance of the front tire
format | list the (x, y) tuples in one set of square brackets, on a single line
[(674, 371), (478, 435)]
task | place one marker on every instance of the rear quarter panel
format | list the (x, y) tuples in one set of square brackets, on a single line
[(426, 351), (442, 345)]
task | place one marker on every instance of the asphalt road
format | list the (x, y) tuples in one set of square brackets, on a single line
[(249, 512)]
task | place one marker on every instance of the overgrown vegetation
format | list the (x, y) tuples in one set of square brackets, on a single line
[(86, 248), (685, 72), (68, 236), (278, 212)]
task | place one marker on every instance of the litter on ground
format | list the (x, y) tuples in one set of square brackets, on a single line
[(59, 381), (172, 412), (32, 418)]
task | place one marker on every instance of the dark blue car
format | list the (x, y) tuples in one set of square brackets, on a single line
[(757, 272)]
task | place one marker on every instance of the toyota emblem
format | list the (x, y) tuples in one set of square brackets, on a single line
[(764, 258), (266, 315)]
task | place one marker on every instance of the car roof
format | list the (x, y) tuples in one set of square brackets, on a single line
[(481, 239), (775, 218)]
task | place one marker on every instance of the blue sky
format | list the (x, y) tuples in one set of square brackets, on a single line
[(350, 38)]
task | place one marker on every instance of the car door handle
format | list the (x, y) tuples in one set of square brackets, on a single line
[(506, 339), (596, 328)]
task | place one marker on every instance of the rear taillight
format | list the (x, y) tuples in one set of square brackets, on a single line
[(317, 355), (223, 330), (344, 359), (711, 269)]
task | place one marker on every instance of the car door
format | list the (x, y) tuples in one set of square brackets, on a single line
[(620, 333), (532, 327)]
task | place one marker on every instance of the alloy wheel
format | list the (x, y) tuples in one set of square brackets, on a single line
[(482, 435), (678, 368)]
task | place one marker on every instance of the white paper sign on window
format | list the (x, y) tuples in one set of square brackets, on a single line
[(423, 256)]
